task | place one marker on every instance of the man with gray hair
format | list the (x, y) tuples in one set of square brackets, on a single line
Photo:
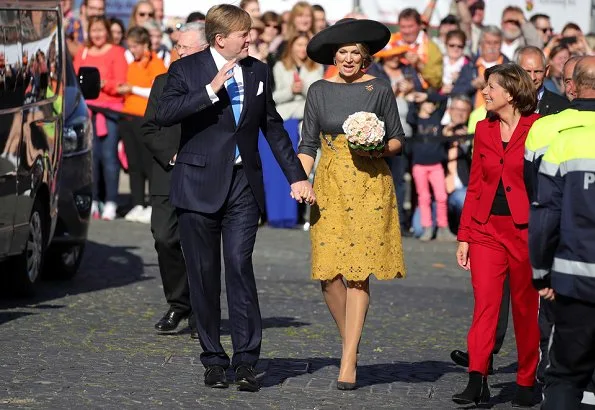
[(192, 38), (533, 61), (470, 81), (163, 143)]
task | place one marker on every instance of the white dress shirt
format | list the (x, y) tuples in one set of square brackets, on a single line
[(220, 61)]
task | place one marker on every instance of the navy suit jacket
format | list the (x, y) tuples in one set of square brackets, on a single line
[(202, 176)]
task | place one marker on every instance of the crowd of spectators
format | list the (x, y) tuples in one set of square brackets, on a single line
[(436, 74)]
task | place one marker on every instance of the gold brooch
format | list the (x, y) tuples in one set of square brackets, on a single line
[(369, 87)]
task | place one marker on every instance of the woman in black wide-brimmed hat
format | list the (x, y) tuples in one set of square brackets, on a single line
[(355, 227)]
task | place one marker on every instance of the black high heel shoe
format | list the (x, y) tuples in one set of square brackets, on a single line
[(345, 385), (477, 391), (524, 396)]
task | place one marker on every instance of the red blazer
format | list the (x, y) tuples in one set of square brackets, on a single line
[(489, 164)]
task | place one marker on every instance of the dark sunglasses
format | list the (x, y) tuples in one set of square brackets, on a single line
[(143, 14), (545, 30), (456, 46)]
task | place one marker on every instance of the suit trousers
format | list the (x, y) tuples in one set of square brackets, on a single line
[(502, 324), (235, 226), (497, 248), (140, 160), (546, 322), (571, 355), (164, 226)]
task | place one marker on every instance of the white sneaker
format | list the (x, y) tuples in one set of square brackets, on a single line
[(145, 216), (109, 211), (134, 213)]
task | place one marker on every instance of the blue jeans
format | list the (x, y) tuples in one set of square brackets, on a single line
[(105, 160), (456, 200), (418, 230)]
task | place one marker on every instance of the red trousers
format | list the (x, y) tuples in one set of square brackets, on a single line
[(497, 248)]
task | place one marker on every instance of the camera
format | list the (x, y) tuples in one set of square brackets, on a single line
[(566, 41)]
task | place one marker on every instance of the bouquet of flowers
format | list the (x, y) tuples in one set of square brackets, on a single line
[(364, 131)]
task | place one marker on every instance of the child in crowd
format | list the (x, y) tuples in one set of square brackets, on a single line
[(428, 154)]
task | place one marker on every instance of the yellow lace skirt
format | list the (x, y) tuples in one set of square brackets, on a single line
[(355, 229)]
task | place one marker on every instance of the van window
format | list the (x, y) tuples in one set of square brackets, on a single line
[(41, 54), (12, 88)]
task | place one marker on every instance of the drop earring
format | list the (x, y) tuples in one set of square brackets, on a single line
[(334, 61)]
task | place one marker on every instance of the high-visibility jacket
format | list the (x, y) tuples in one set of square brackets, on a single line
[(562, 218), (546, 129)]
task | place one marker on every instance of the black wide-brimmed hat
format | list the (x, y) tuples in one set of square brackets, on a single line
[(322, 46)]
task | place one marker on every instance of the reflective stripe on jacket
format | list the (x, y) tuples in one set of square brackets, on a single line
[(545, 130), (562, 218)]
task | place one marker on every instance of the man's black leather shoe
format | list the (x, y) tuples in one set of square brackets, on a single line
[(170, 321), (462, 359), (192, 326), (246, 378), (215, 377), (194, 334)]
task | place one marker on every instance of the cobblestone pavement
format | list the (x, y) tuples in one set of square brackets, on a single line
[(90, 343)]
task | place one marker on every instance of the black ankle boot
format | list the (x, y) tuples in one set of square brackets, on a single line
[(524, 396), (477, 391)]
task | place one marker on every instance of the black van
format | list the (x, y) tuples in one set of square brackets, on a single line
[(34, 99)]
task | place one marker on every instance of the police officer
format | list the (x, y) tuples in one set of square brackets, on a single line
[(541, 134), (561, 246)]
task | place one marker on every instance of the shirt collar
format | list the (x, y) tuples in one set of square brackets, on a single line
[(540, 93), (219, 59)]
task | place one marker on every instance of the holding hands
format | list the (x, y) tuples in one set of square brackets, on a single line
[(302, 191)]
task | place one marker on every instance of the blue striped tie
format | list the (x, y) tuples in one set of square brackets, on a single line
[(233, 90)]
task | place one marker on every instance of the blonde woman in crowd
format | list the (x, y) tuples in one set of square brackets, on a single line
[(251, 7), (142, 12), (300, 19), (294, 74)]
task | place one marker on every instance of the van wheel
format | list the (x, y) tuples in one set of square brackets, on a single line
[(62, 261), (25, 268)]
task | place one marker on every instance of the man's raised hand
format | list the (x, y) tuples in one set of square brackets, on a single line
[(223, 75)]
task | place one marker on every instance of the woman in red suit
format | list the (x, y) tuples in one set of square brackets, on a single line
[(493, 232)]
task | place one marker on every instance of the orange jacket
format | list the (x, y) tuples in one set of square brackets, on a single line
[(141, 74)]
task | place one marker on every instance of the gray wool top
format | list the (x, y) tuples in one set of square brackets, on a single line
[(328, 105)]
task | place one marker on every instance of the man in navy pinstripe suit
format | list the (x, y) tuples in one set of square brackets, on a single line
[(223, 98)]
